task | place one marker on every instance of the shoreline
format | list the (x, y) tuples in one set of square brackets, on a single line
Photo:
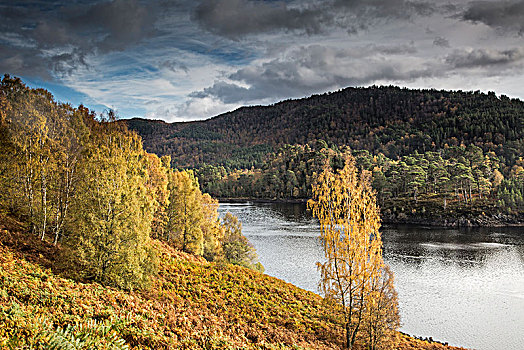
[(496, 220)]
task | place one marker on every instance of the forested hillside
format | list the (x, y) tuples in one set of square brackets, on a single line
[(387, 120), (443, 157), (85, 182)]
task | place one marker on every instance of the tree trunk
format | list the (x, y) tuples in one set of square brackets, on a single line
[(44, 204), (348, 336)]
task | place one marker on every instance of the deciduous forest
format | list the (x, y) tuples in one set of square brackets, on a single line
[(85, 181)]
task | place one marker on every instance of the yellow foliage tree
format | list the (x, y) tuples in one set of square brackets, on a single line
[(185, 213), (237, 249), (346, 208), (157, 185), (108, 236), (381, 316), (212, 231)]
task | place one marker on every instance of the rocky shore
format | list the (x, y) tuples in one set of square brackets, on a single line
[(463, 219), (494, 220)]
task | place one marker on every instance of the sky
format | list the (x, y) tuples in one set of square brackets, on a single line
[(190, 59)]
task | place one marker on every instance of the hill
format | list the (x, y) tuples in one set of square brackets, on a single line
[(193, 304), (447, 158), (387, 120)]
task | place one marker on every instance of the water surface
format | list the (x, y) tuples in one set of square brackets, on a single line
[(465, 287)]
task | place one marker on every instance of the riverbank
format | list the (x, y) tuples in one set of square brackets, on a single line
[(497, 220), (423, 212), (262, 200)]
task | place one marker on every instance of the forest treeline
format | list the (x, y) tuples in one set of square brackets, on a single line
[(85, 182), (464, 176), (389, 120), (431, 153)]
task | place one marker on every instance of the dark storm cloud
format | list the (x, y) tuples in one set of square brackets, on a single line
[(237, 18), (113, 25), (484, 57), (62, 34), (51, 34), (26, 60), (503, 15)]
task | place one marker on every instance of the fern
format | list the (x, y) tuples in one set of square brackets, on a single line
[(64, 339), (87, 335)]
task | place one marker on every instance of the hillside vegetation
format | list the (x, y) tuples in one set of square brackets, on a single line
[(388, 120), (86, 182), (441, 157), (192, 304)]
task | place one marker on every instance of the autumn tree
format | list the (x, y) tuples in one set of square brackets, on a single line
[(108, 236), (6, 150), (346, 208), (212, 231), (381, 313), (236, 247), (185, 213), (157, 182)]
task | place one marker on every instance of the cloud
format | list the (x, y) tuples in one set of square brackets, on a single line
[(50, 39), (52, 34), (114, 25), (385, 9), (68, 62), (26, 60), (499, 14), (191, 59), (194, 109), (317, 68), (238, 18), (484, 57), (441, 42), (174, 66)]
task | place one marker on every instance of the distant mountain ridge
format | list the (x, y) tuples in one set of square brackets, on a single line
[(390, 120)]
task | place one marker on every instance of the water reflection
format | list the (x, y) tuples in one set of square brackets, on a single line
[(465, 287)]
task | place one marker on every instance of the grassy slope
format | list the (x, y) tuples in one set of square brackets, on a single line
[(192, 304)]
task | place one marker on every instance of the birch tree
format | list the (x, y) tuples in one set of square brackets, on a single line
[(112, 213), (185, 213), (346, 208)]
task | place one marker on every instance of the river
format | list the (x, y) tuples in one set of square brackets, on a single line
[(461, 286)]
